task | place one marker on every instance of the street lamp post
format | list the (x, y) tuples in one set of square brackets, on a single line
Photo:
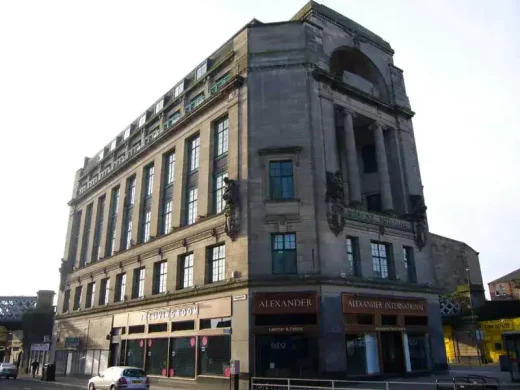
[(477, 346)]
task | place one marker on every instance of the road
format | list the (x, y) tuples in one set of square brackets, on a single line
[(28, 384)]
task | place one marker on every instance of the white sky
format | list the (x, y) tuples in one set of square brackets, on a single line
[(73, 74)]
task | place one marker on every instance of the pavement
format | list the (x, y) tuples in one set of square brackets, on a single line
[(26, 382)]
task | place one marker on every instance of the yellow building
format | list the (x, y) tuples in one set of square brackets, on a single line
[(492, 331)]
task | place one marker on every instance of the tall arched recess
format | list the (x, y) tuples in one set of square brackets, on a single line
[(352, 60)]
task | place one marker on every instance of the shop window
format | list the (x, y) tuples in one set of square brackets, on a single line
[(183, 325), (136, 329), (284, 254), (214, 355), (362, 354), (215, 323), (417, 347), (135, 353), (416, 321), (388, 320), (156, 356), (286, 356), (365, 319), (153, 328), (285, 319), (182, 359)]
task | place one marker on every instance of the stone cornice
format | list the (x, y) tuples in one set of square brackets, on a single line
[(266, 281), (235, 82), (340, 86)]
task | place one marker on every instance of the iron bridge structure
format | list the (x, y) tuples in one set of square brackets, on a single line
[(13, 308)]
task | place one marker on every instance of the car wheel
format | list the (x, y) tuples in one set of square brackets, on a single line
[(112, 387), (14, 377), (91, 386)]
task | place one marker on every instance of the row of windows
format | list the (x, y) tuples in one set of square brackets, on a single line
[(216, 273), (221, 130)]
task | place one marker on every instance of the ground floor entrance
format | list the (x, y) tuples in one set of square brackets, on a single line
[(392, 352)]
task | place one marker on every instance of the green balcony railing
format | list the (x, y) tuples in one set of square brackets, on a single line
[(170, 122), (195, 103), (219, 84)]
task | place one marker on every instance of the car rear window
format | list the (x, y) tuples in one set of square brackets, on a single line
[(134, 373)]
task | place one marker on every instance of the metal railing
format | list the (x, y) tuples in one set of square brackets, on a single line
[(470, 382)]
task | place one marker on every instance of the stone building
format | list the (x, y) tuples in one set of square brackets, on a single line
[(268, 210), (506, 287)]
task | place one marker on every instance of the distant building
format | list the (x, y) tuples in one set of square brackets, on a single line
[(506, 287)]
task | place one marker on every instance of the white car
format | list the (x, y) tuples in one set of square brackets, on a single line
[(8, 370), (120, 377)]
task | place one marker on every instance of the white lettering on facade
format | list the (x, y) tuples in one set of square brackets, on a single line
[(169, 314), (304, 302), (391, 305)]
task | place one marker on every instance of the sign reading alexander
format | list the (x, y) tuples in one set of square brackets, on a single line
[(286, 303), (353, 303)]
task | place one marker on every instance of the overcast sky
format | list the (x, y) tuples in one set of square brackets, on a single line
[(73, 74)]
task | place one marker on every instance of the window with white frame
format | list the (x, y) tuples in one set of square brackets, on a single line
[(220, 186), (146, 226), (191, 215), (201, 70), (138, 288), (142, 120), (221, 135), (187, 271), (104, 291), (101, 154), (91, 292), (194, 151), (380, 260), (170, 169), (149, 180), (159, 106), (126, 134), (354, 268), (159, 277), (218, 263), (120, 288), (167, 216), (113, 145), (178, 89), (77, 298)]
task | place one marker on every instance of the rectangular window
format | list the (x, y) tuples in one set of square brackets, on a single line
[(91, 291), (142, 120), (214, 355), (128, 234), (149, 180), (111, 238), (138, 290), (146, 226), (169, 160), (73, 249), (167, 216), (409, 264), (66, 301), (120, 288), (354, 268), (77, 298), (104, 291), (187, 271), (380, 260), (126, 134), (86, 235), (219, 191), (191, 215), (178, 89), (201, 70), (159, 106), (281, 181), (131, 191), (218, 263), (284, 253), (126, 238), (96, 251), (159, 277), (221, 134), (194, 151)]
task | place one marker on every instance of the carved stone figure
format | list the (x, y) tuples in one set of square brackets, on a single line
[(335, 202), (232, 209), (418, 219)]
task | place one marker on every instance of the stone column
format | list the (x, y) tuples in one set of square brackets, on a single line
[(354, 181), (387, 203)]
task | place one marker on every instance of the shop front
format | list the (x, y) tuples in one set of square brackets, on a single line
[(385, 335), (183, 341), (286, 334)]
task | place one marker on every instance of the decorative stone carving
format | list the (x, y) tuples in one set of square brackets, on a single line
[(232, 208), (65, 270), (418, 219), (335, 202)]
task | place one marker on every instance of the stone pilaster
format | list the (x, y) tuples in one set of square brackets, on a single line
[(354, 181), (387, 203)]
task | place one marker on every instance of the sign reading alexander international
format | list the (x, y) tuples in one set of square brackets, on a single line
[(354, 303), (285, 303)]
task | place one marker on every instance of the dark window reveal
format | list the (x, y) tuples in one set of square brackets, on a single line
[(388, 320), (136, 329), (215, 323), (374, 203), (416, 321), (369, 159), (153, 328), (183, 325)]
